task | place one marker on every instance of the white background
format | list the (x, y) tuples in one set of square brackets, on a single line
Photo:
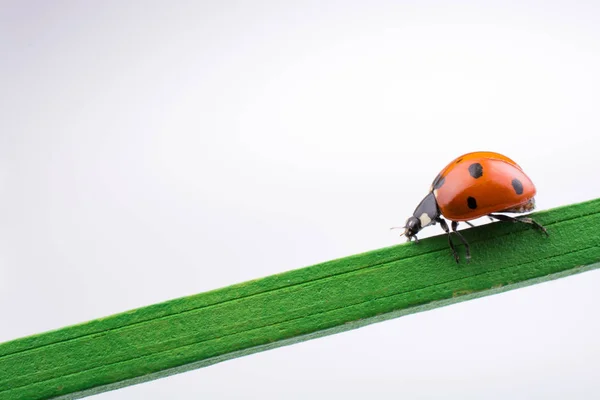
[(151, 150)]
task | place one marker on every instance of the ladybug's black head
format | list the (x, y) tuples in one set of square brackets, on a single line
[(426, 213), (412, 227)]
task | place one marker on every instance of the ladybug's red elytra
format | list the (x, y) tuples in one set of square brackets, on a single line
[(472, 186)]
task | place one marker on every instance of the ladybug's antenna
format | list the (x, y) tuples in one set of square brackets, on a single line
[(398, 227)]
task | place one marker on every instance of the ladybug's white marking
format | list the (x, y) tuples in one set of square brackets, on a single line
[(425, 220)]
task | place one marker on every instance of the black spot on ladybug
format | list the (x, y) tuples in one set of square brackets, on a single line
[(438, 182), (471, 202), (518, 186), (459, 160), (476, 170)]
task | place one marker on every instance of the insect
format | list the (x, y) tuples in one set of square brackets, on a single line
[(474, 185)]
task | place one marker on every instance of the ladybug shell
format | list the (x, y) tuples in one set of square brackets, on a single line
[(477, 184)]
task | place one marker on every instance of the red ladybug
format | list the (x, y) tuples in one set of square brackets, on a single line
[(472, 186)]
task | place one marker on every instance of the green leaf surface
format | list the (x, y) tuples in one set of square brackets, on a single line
[(335, 296)]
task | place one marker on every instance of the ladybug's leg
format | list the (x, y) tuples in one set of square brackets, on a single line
[(462, 239), (528, 220), (444, 226), (468, 223), (525, 220)]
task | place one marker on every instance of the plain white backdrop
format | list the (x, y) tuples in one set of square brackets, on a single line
[(151, 150)]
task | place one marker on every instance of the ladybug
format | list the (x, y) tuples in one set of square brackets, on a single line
[(474, 185)]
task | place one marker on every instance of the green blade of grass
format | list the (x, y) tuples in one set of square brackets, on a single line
[(338, 295)]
